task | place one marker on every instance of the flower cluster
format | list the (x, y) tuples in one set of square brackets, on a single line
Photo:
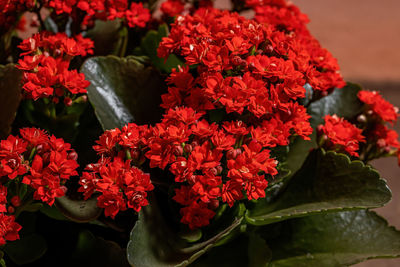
[(10, 11), (134, 15), (340, 135), (120, 183), (44, 162), (46, 66), (378, 107), (320, 67), (373, 138), (172, 8), (8, 228), (84, 11), (378, 112), (237, 74), (211, 161)]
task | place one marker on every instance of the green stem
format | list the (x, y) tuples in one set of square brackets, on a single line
[(33, 151), (53, 113), (123, 41), (22, 208), (128, 154)]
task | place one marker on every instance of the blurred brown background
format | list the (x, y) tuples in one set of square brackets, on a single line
[(364, 35)]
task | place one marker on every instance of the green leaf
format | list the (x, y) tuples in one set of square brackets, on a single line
[(154, 243), (78, 210), (33, 207), (245, 250), (27, 249), (332, 239), (53, 212), (150, 44), (191, 235), (95, 251), (258, 251), (326, 182), (106, 35), (10, 89), (123, 90)]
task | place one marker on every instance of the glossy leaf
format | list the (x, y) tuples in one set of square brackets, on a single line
[(154, 243), (123, 90), (258, 251), (10, 89), (107, 36), (333, 239), (78, 210), (53, 212), (27, 249), (326, 182), (95, 251)]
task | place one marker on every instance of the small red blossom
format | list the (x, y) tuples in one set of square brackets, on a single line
[(171, 8), (44, 162), (120, 183), (46, 65), (341, 135), (137, 15), (379, 106), (196, 215), (8, 228)]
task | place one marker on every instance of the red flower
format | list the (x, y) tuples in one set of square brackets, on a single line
[(137, 15), (379, 106), (8, 228), (121, 186), (46, 65), (196, 215), (44, 162), (3, 198), (12, 162), (112, 202), (172, 8), (385, 138), (341, 135)]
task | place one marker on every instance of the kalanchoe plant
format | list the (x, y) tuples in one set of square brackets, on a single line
[(211, 139)]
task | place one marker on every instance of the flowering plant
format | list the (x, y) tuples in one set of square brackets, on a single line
[(174, 134)]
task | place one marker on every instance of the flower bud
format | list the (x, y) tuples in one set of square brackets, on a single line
[(269, 49), (362, 118), (213, 171), (64, 189), (72, 155), (214, 204), (231, 154), (188, 148), (68, 101), (135, 154), (219, 169), (11, 209), (16, 201), (178, 151)]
